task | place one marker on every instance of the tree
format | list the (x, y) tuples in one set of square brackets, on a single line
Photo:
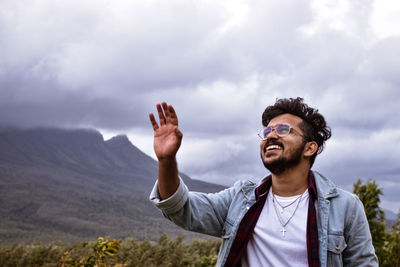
[(392, 246), (369, 194)]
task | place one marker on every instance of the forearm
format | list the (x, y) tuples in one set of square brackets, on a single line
[(194, 211), (168, 180)]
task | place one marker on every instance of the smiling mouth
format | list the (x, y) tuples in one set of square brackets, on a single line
[(273, 147)]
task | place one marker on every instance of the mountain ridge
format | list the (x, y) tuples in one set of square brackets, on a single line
[(71, 184)]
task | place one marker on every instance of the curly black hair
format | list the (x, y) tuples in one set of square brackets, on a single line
[(313, 126)]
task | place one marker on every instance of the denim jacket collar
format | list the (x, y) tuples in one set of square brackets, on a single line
[(326, 189), (264, 185)]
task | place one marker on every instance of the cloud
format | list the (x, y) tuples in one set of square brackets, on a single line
[(106, 64)]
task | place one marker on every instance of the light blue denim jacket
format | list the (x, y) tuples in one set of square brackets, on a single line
[(343, 231)]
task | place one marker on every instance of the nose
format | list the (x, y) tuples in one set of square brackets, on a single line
[(272, 134)]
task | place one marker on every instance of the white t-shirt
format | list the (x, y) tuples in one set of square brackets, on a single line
[(269, 245)]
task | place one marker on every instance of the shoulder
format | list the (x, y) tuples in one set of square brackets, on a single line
[(339, 198), (240, 186), (240, 189), (232, 192), (244, 183), (328, 189), (349, 203), (347, 196)]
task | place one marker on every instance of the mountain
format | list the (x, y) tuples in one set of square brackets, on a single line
[(71, 184), (389, 215), (391, 218)]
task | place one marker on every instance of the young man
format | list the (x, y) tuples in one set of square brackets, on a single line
[(293, 217)]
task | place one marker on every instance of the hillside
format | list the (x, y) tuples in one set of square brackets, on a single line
[(70, 185)]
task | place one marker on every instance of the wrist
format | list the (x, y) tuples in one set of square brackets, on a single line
[(167, 160)]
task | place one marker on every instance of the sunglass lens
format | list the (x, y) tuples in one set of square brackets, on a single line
[(283, 129), (267, 131)]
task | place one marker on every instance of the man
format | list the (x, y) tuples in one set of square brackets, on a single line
[(293, 217)]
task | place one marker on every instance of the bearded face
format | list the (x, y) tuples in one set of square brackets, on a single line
[(283, 150), (282, 162)]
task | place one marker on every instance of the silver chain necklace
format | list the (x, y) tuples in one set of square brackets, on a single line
[(283, 230), (288, 205)]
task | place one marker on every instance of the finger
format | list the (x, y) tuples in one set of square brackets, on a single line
[(161, 114), (172, 113), (166, 112), (153, 121)]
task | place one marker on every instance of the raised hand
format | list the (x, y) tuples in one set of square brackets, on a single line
[(167, 136)]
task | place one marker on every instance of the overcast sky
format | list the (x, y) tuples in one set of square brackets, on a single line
[(105, 64)]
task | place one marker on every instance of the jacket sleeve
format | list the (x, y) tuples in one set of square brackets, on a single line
[(359, 250), (194, 211)]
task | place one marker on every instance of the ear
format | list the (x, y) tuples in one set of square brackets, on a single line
[(310, 149)]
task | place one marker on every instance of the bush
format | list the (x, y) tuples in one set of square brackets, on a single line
[(130, 252), (32, 255)]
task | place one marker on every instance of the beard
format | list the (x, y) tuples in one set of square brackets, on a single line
[(283, 164)]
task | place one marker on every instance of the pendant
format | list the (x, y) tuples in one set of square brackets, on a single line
[(283, 231)]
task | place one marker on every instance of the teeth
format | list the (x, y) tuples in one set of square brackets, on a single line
[(273, 147)]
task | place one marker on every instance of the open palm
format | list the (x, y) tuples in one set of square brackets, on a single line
[(167, 136)]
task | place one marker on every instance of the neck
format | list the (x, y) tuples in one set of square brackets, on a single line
[(291, 182)]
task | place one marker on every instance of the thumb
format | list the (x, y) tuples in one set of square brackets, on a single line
[(178, 133)]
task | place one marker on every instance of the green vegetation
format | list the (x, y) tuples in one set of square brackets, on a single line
[(175, 252), (386, 242), (392, 246), (104, 248), (105, 252)]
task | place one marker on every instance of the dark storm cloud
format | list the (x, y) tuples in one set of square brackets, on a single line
[(127, 49), (35, 102), (53, 52), (105, 65)]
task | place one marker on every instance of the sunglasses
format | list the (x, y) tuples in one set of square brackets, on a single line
[(281, 130)]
